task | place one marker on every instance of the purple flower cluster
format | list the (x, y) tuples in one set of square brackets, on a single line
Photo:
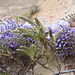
[(65, 43), (57, 26), (12, 40), (72, 31), (11, 24), (7, 25)]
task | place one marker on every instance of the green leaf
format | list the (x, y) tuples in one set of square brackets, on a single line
[(45, 46), (27, 35), (29, 50), (26, 48), (16, 17), (28, 20), (41, 32), (58, 34), (51, 36), (50, 33), (0, 54), (22, 30), (24, 15), (16, 31), (34, 10), (22, 51), (38, 22), (33, 46), (38, 53)]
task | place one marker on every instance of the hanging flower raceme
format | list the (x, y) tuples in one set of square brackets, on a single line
[(65, 44), (64, 38), (10, 39)]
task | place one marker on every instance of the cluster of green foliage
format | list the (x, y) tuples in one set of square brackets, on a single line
[(37, 33)]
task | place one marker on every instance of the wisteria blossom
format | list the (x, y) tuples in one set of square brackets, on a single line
[(65, 40), (9, 38)]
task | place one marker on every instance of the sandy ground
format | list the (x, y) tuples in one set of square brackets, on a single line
[(50, 11), (54, 10), (9, 8)]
